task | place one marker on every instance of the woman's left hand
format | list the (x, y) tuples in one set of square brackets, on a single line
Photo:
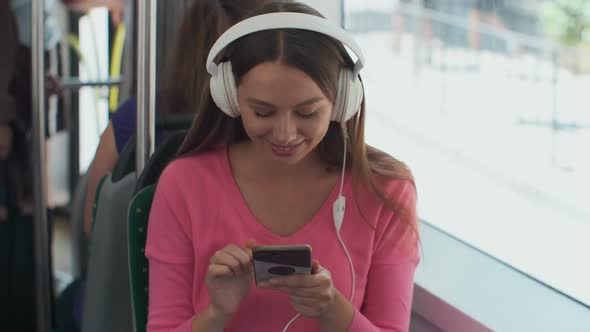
[(312, 295)]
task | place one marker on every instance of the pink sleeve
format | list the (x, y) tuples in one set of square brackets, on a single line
[(170, 255), (388, 298)]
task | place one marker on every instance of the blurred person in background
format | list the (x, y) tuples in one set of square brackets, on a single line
[(484, 11)]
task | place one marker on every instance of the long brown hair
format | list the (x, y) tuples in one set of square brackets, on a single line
[(185, 81), (321, 58)]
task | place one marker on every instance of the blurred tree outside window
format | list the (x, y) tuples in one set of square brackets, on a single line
[(568, 22)]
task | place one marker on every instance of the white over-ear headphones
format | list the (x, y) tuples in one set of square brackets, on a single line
[(223, 87)]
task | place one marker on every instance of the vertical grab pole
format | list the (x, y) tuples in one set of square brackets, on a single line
[(146, 81), (151, 125), (40, 228)]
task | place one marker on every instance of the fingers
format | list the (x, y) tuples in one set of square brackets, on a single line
[(309, 293), (309, 310), (311, 302), (236, 261), (224, 258), (310, 286), (244, 258), (304, 301), (216, 270), (301, 281)]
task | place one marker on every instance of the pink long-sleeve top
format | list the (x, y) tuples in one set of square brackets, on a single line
[(198, 209)]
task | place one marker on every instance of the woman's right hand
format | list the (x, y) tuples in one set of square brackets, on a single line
[(229, 278)]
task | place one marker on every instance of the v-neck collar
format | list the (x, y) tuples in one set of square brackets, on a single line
[(324, 213)]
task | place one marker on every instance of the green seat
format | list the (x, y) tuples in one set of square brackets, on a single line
[(139, 212)]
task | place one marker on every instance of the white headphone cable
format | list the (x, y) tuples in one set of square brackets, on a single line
[(338, 223), (290, 322), (338, 212)]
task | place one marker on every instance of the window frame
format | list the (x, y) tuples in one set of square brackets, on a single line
[(463, 298)]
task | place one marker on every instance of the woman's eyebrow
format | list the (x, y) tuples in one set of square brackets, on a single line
[(310, 101), (267, 104), (260, 102)]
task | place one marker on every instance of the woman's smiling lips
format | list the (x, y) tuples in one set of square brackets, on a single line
[(285, 150)]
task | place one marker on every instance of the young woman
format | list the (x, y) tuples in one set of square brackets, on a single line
[(275, 172)]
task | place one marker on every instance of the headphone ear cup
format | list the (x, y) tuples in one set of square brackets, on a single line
[(349, 96), (223, 90), (355, 98)]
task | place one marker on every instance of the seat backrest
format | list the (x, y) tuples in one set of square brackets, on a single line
[(173, 129), (107, 303), (165, 152), (139, 212), (107, 299), (108, 294), (127, 159)]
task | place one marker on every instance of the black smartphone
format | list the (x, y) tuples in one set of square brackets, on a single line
[(272, 261)]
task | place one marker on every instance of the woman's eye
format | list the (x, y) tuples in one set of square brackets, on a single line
[(307, 115), (262, 114)]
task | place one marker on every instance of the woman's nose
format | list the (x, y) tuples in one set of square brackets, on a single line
[(285, 129)]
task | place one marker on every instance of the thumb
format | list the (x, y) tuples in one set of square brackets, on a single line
[(315, 266), (251, 243)]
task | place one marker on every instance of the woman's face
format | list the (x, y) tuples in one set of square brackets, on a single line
[(284, 112)]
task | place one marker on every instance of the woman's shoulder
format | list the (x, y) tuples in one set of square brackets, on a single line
[(396, 187), (385, 200), (190, 179), (393, 213), (197, 166), (391, 188)]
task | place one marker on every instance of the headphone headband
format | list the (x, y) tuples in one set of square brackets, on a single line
[(283, 21)]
